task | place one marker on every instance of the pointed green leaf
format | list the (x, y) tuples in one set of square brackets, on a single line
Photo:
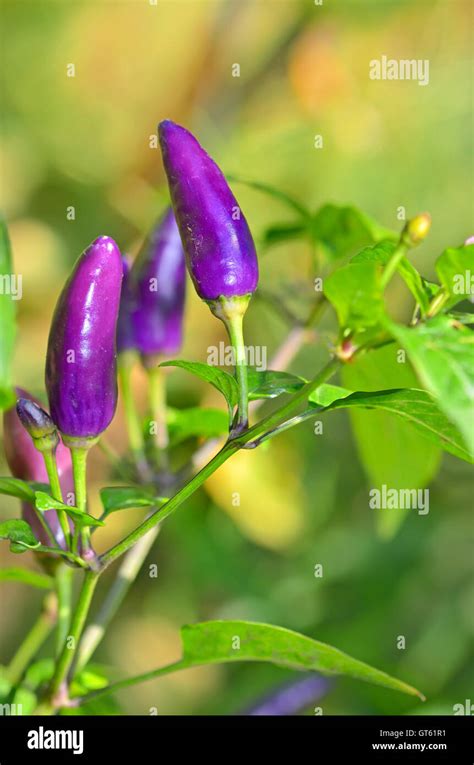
[(196, 422), (115, 498), (217, 642), (355, 292), (341, 230), (24, 490), (20, 535), (455, 268), (442, 356), (416, 406), (44, 502), (223, 381), (270, 383)]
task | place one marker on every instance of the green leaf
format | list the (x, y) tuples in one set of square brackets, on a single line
[(218, 642), (20, 535), (381, 253), (281, 196), (442, 356), (81, 519), (196, 422), (38, 673), (33, 578), (7, 322), (223, 381), (341, 230), (355, 292), (270, 383), (455, 268), (416, 406), (115, 498), (24, 490), (462, 317), (284, 232), (25, 700), (401, 457)]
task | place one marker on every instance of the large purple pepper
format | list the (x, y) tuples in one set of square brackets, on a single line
[(81, 364), (219, 248), (158, 280)]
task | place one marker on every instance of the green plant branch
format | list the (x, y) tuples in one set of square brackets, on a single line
[(268, 423), (126, 575), (63, 580), (49, 458), (33, 640), (77, 625), (132, 419)]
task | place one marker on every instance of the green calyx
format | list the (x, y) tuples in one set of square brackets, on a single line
[(229, 308)]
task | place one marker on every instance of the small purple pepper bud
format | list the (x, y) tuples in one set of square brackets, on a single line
[(125, 334), (38, 424), (159, 284), (81, 364), (219, 248), (26, 462)]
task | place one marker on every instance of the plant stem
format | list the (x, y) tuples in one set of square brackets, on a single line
[(234, 326), (79, 462), (63, 580), (157, 396), (80, 615), (34, 639), (398, 254), (126, 575), (134, 428), (233, 445), (53, 476)]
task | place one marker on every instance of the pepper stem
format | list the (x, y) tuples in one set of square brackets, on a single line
[(135, 435), (231, 312), (79, 462), (157, 394), (49, 457)]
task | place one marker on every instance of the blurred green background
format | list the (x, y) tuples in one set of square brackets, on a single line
[(84, 142)]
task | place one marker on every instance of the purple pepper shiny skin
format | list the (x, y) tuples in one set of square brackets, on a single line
[(81, 362), (27, 463), (125, 334), (158, 279), (219, 248)]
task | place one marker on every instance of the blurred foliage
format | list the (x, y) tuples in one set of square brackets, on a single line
[(86, 142)]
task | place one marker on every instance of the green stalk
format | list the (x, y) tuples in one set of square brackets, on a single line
[(398, 254), (33, 640), (77, 625), (63, 579), (53, 476), (132, 419), (126, 575), (234, 326), (79, 462), (233, 445)]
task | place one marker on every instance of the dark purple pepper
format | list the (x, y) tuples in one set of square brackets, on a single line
[(219, 248), (27, 463), (159, 284), (292, 698), (81, 362), (125, 335)]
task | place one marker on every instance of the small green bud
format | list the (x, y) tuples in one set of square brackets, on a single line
[(416, 229)]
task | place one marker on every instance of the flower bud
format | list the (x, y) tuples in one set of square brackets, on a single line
[(81, 363), (26, 462), (220, 252), (159, 284), (416, 229), (38, 424)]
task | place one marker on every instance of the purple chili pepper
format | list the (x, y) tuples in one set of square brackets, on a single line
[(81, 363), (125, 334), (292, 698), (27, 463), (158, 279), (219, 248)]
